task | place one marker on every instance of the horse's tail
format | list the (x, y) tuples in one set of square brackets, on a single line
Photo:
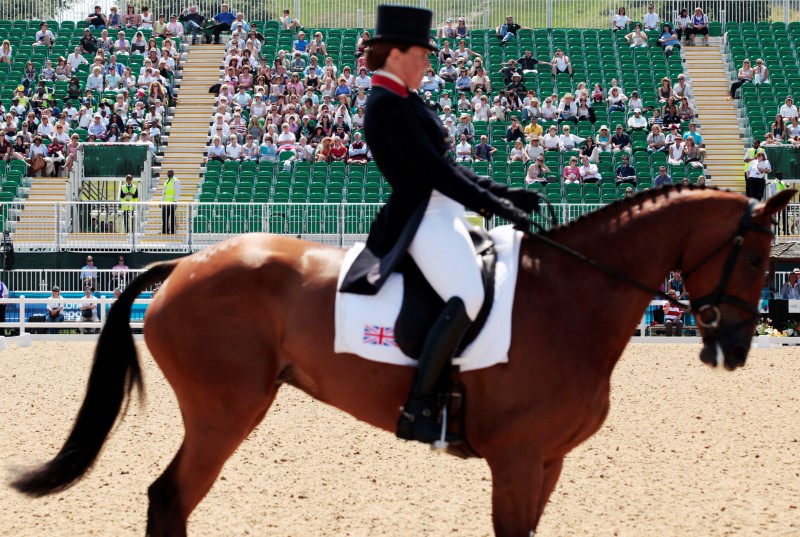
[(114, 374)]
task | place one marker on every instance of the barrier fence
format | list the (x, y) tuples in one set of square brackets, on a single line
[(478, 13), (187, 227)]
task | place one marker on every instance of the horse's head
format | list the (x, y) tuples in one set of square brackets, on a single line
[(724, 273)]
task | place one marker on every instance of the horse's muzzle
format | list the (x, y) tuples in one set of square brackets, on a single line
[(729, 351)]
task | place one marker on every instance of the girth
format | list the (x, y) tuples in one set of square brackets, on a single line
[(422, 305)]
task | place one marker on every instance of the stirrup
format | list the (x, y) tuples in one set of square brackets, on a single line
[(440, 446)]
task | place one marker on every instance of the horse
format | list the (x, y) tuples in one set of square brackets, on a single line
[(580, 293)]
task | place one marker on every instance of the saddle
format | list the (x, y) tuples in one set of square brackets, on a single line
[(421, 305)]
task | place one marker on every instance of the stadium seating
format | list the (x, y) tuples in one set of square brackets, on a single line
[(774, 44), (598, 56)]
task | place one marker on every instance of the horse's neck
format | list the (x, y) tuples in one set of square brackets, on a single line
[(642, 241)]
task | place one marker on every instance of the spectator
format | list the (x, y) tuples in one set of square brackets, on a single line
[(6, 52), (234, 150), (465, 127), (88, 44), (508, 30), (676, 152), (673, 322), (514, 131), (288, 23), (551, 140), (793, 130), (463, 150), (568, 141), (616, 100), (481, 82), (461, 27), (568, 109), (55, 308), (268, 150), (171, 194), (636, 102), (89, 273), (682, 89), (589, 149), (3, 294), (300, 44), (193, 20), (664, 91), (637, 122), (221, 22), (788, 110), (790, 290), (744, 76), (5, 147), (44, 36), (174, 28), (757, 171), (588, 171), (699, 26), (533, 128), (571, 172), (603, 139), (696, 136), (620, 21), (146, 19), (358, 153), (625, 173), (509, 70), (528, 63), (483, 151), (651, 19), (537, 172), (663, 178), (114, 20), (448, 72), (88, 310), (760, 73), (38, 158), (96, 19), (533, 149), (561, 63), (448, 31), (620, 141), (130, 19), (683, 24), (465, 55), (160, 26), (637, 38), (675, 283), (656, 141), (668, 40), (517, 153)]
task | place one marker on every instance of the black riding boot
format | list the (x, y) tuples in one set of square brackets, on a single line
[(417, 418)]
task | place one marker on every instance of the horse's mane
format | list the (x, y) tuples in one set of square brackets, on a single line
[(652, 195)]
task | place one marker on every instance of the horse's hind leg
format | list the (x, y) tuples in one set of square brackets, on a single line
[(214, 429)]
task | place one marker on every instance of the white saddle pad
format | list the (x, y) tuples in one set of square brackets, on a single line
[(365, 324)]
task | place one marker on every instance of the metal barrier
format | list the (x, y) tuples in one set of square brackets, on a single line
[(189, 227), (26, 307), (478, 13), (68, 280)]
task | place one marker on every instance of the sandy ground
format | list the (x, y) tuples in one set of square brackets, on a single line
[(685, 451)]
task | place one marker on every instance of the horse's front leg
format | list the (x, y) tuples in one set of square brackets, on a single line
[(522, 482)]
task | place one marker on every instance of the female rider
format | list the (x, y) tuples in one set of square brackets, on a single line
[(425, 215)]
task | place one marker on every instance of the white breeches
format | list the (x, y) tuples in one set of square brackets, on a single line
[(442, 249)]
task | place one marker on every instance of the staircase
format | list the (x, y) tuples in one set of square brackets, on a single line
[(188, 136), (36, 223), (717, 118)]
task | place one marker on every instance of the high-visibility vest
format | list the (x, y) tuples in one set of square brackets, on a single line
[(169, 190), (129, 194), (751, 154), (780, 185)]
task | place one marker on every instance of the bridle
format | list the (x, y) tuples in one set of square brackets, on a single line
[(706, 308)]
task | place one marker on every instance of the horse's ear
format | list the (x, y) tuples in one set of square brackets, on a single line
[(774, 204)]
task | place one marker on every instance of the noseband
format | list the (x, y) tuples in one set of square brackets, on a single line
[(706, 308)]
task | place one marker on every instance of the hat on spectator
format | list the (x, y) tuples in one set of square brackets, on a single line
[(448, 20), (461, 19), (619, 126), (637, 110), (796, 271), (56, 288), (516, 75), (402, 24)]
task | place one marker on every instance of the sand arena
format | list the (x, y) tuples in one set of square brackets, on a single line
[(685, 451)]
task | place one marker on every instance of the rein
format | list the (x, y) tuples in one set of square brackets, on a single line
[(709, 303)]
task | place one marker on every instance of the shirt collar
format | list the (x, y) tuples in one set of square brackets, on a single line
[(391, 82)]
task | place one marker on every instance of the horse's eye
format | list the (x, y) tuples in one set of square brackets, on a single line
[(755, 260)]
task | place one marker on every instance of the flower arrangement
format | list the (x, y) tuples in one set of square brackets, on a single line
[(765, 328)]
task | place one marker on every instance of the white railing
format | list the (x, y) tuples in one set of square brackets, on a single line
[(72, 317), (478, 13), (68, 280), (106, 227)]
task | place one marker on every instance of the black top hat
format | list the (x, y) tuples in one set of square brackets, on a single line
[(405, 25)]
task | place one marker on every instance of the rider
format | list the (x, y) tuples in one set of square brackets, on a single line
[(425, 215)]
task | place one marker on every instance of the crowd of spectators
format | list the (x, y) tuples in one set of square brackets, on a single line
[(110, 89), (299, 107), (302, 106)]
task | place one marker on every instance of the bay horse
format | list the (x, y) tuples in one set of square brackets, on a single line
[(226, 354)]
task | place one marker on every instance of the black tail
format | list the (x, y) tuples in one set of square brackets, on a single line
[(114, 374)]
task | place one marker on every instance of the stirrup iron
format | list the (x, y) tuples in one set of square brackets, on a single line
[(440, 446)]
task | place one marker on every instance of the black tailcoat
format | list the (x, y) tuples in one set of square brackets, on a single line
[(410, 148)]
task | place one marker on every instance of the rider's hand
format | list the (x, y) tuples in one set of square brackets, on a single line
[(515, 215), (527, 200)]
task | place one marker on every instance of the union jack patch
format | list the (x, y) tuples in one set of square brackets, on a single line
[(379, 335)]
